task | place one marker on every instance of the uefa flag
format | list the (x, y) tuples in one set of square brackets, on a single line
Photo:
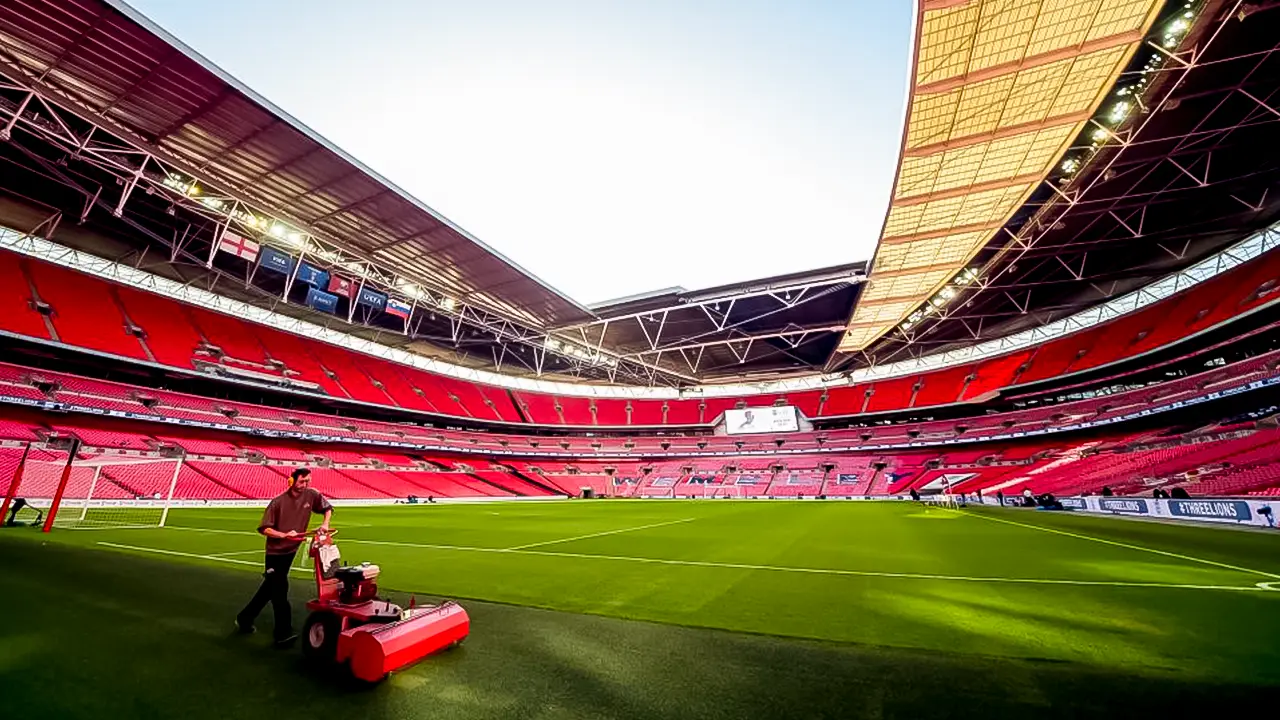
[(372, 298), (238, 246)]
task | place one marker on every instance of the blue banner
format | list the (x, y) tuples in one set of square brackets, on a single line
[(322, 300), (1075, 503), (275, 261), (1225, 509), (372, 298), (1134, 506), (312, 275)]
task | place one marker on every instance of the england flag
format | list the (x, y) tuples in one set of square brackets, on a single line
[(238, 246)]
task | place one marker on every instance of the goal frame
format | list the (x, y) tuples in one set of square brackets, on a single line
[(73, 461)]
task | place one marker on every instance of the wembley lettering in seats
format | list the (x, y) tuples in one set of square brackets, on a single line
[(1226, 509), (1125, 505)]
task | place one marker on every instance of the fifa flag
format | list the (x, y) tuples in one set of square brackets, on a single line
[(397, 308), (341, 286), (321, 300), (372, 298), (276, 261), (312, 275), (238, 246)]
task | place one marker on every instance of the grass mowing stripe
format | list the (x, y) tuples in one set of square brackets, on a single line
[(1116, 543), (598, 534), (215, 558), (812, 571)]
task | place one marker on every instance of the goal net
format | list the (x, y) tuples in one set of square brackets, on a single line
[(99, 491)]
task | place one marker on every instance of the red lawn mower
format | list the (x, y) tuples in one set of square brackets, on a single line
[(348, 624)]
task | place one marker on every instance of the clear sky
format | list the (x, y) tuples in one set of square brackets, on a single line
[(610, 148)]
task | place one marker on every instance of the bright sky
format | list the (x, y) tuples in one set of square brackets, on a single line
[(610, 148)]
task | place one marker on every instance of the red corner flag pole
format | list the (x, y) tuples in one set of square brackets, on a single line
[(62, 484), (13, 483)]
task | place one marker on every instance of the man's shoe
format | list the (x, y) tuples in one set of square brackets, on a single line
[(287, 641), (243, 629)]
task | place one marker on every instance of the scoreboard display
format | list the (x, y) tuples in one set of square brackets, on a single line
[(761, 420)]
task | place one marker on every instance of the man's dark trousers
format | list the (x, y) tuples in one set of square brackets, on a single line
[(274, 588)]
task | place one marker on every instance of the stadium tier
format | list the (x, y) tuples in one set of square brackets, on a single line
[(1213, 460), (53, 304), (67, 392)]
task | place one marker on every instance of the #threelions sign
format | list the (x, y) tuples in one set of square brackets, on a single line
[(761, 420)]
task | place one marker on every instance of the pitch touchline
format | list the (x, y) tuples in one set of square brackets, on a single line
[(599, 534), (735, 566), (1120, 544)]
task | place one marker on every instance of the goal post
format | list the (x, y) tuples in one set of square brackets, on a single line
[(76, 491)]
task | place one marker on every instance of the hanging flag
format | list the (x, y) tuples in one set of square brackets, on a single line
[(322, 300), (276, 261), (312, 275), (397, 308), (372, 298), (238, 246), (341, 286)]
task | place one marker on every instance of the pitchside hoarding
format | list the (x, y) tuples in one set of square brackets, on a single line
[(1216, 509), (1134, 506)]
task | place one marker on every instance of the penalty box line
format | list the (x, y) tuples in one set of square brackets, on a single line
[(1130, 546), (739, 566), (598, 534)]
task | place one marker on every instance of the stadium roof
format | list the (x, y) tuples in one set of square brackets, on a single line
[(1000, 89), (124, 71), (1179, 163)]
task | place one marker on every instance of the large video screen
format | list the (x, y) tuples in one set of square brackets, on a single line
[(761, 420)]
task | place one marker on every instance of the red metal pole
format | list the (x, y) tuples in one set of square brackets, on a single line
[(62, 484), (13, 484)]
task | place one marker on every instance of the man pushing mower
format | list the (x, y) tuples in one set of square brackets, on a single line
[(285, 525)]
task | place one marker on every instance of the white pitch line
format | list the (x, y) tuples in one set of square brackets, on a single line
[(1079, 536), (813, 571), (237, 552), (215, 558), (739, 566), (599, 534), (212, 530)]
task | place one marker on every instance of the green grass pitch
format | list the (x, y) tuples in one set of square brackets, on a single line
[(732, 609)]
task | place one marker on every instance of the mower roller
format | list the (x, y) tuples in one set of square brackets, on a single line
[(349, 625)]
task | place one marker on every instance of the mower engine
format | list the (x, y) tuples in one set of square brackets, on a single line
[(357, 584), (349, 624)]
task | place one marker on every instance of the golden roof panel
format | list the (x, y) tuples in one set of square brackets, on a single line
[(1001, 87)]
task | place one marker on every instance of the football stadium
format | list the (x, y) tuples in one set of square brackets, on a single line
[(1023, 460)]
